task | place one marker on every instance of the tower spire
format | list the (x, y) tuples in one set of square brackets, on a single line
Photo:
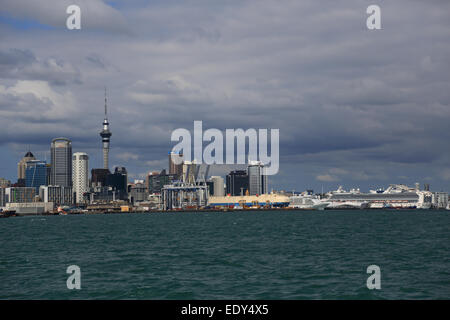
[(106, 110)]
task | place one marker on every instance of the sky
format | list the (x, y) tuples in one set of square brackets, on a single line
[(355, 107)]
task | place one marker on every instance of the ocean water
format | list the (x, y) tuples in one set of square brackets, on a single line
[(228, 255)]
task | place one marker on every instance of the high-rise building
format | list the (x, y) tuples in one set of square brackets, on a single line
[(49, 174), (99, 177), (218, 186), (20, 194), (119, 183), (176, 163), (106, 135), (152, 181), (439, 200), (189, 171), (237, 183), (257, 180), (156, 181), (57, 194), (2, 197), (137, 192), (61, 162), (80, 175), (21, 166), (36, 174)]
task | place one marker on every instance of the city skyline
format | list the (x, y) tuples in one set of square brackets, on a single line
[(355, 108)]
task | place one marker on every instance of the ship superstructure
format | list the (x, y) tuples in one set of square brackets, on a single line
[(307, 201), (395, 196)]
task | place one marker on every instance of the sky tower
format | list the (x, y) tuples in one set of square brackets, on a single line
[(105, 134)]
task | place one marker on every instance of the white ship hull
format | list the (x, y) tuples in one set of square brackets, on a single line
[(348, 205), (307, 202), (318, 206), (395, 197)]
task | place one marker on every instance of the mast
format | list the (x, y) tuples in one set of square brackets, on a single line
[(105, 134)]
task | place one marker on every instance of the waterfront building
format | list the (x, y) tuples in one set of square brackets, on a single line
[(257, 180), (237, 183), (152, 182), (61, 162), (2, 197), (118, 181), (80, 173), (36, 174), (21, 167), (20, 194), (154, 202), (439, 200), (59, 195), (30, 208), (218, 186), (106, 135), (100, 194), (137, 192), (99, 177), (189, 173), (156, 181), (176, 163)]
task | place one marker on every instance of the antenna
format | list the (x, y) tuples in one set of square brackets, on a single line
[(105, 104)]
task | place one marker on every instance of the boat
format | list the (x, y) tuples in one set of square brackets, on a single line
[(348, 205), (396, 196), (307, 202), (61, 211), (8, 213), (378, 205)]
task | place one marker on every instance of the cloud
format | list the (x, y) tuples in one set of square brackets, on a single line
[(126, 156), (446, 174), (326, 177), (96, 60), (95, 14), (352, 105), (23, 65), (35, 100)]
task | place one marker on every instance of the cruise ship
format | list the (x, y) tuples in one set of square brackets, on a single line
[(307, 202), (396, 196)]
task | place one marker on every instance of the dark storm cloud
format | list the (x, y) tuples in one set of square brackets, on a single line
[(97, 15), (13, 59), (96, 60), (23, 65)]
